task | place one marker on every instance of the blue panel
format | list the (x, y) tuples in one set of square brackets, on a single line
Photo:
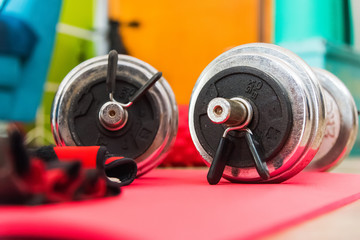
[(41, 16), (10, 70), (17, 38)]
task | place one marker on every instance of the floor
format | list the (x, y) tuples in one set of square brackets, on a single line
[(343, 223)]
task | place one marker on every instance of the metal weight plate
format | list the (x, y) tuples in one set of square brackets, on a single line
[(288, 78), (151, 124), (341, 123), (271, 121)]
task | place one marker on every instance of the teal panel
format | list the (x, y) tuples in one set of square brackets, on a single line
[(298, 20)]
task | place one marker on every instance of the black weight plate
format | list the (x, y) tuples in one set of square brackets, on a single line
[(272, 119), (143, 116)]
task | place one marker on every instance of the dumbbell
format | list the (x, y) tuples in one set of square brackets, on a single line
[(120, 102), (258, 113)]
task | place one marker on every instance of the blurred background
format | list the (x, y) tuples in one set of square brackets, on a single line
[(42, 40)]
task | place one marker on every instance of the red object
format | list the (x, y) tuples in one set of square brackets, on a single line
[(183, 153), (58, 186), (89, 156), (35, 178), (86, 155), (180, 204)]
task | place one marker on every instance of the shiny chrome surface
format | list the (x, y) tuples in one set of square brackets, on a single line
[(96, 68), (341, 123), (229, 112), (306, 100), (113, 116), (249, 115)]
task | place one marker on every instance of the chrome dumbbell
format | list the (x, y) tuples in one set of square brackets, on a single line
[(119, 102), (259, 113)]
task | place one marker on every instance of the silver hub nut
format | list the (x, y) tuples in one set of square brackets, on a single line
[(112, 116), (229, 112)]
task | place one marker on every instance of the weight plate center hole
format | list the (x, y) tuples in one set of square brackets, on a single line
[(112, 113), (218, 110)]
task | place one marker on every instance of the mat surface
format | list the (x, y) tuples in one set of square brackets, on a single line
[(179, 204)]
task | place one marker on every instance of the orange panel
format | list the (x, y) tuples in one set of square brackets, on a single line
[(180, 38), (268, 21)]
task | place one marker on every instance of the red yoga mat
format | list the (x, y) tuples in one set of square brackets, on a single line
[(180, 204)]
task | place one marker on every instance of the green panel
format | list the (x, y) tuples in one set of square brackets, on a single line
[(78, 13), (298, 20), (69, 51)]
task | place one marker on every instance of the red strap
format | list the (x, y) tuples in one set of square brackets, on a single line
[(36, 176), (112, 159), (87, 155), (58, 187)]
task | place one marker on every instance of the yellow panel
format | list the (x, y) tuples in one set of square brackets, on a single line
[(180, 38)]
